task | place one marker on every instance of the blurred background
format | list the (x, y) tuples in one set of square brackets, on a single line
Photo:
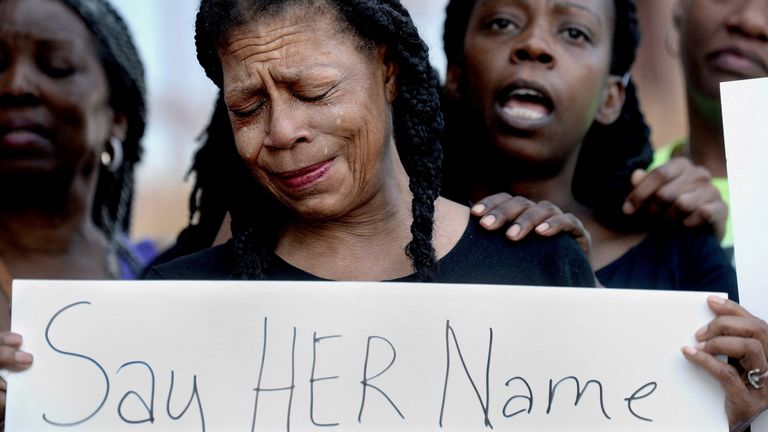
[(181, 97)]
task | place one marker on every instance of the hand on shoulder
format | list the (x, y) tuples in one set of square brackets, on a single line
[(680, 191), (524, 216)]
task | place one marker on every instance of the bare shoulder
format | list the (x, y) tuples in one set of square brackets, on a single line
[(451, 219)]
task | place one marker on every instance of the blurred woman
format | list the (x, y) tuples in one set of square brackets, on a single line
[(718, 41), (71, 117)]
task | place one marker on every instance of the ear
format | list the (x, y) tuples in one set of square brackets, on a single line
[(119, 127), (613, 101), (391, 70), (452, 80), (677, 14)]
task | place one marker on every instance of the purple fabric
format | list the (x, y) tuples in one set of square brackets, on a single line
[(144, 251)]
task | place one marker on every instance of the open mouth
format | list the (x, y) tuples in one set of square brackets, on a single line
[(525, 102)]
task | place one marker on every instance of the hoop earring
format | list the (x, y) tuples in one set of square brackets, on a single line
[(112, 156), (672, 48)]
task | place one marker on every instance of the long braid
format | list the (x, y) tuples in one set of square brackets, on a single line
[(418, 119), (416, 116), (117, 242)]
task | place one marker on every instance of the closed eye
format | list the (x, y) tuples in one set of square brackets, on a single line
[(317, 98), (57, 71), (247, 112), (313, 98)]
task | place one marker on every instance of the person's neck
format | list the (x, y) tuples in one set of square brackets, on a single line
[(38, 244), (706, 144), (35, 230), (607, 244), (528, 181), (367, 243)]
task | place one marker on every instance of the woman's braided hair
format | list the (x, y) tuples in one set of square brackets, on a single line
[(258, 217), (609, 154), (125, 76)]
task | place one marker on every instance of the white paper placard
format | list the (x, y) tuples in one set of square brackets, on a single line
[(365, 356), (745, 123)]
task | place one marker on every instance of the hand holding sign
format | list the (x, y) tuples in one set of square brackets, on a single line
[(11, 359), (366, 356), (737, 334)]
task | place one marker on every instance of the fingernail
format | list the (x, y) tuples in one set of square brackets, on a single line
[(700, 346), (628, 208), (478, 208), (689, 350), (716, 300), (514, 232), (12, 339), (23, 358), (543, 228), (700, 332), (488, 221)]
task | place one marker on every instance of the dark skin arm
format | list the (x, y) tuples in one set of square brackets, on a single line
[(677, 190)]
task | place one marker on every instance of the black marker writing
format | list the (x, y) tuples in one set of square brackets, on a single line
[(635, 397), (579, 392), (149, 407), (194, 395), (312, 380), (529, 398), (485, 405), (84, 357), (366, 380), (290, 388)]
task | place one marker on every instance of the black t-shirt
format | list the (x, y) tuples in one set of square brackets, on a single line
[(679, 259), (480, 257)]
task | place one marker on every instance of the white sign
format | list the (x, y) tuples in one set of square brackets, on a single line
[(745, 123), (248, 356)]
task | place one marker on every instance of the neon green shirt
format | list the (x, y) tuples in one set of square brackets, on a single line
[(664, 154)]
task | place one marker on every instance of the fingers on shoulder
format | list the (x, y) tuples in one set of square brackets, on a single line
[(489, 203)]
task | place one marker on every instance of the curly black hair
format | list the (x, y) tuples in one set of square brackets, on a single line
[(609, 154), (256, 215)]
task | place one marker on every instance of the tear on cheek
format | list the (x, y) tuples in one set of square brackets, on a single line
[(339, 117)]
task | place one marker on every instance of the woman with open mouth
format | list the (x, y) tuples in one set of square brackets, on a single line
[(540, 105)]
